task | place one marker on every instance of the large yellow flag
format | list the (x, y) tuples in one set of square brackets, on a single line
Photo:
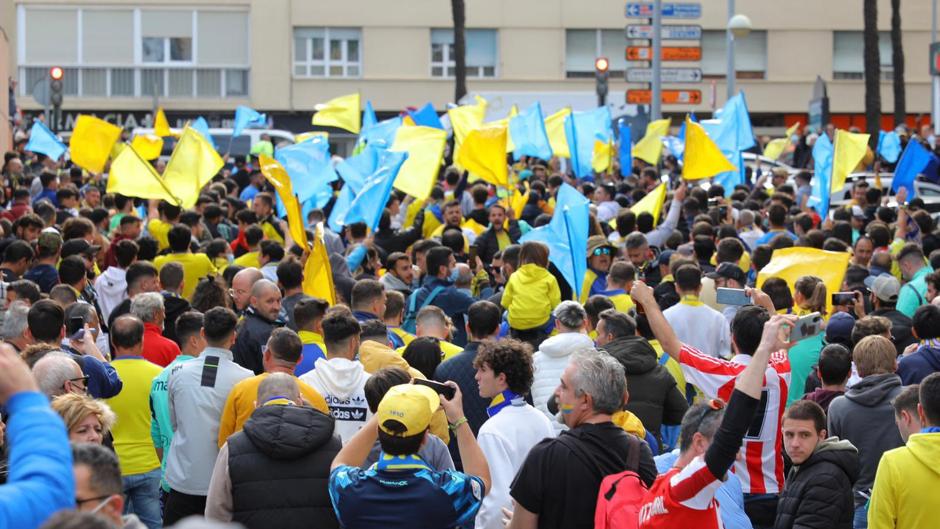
[(555, 128), (341, 112), (148, 146), (775, 147), (793, 263), (465, 118), (848, 150), (650, 147), (274, 172), (318, 273), (161, 127), (652, 203), (425, 148), (132, 176), (92, 141), (603, 155), (484, 154), (192, 165), (702, 158)]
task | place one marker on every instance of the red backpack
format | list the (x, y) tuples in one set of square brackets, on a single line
[(620, 495)]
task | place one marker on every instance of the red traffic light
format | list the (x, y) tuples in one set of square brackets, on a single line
[(601, 64), (56, 73)]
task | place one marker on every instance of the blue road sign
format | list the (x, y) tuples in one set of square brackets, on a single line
[(670, 10)]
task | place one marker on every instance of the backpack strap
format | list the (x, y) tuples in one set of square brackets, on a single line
[(920, 299), (633, 453), (664, 359), (428, 300)]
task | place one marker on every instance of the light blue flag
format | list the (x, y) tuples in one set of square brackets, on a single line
[(528, 134), (566, 236), (914, 161), (383, 132), (822, 178), (201, 126), (354, 171), (582, 130), (732, 133), (426, 116), (308, 165), (370, 202), (889, 146), (42, 140), (246, 117), (368, 118), (625, 150)]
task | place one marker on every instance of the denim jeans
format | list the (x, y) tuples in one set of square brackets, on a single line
[(861, 517), (142, 493)]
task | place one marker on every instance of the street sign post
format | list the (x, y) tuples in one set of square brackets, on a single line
[(669, 32), (668, 75), (670, 53), (669, 97), (670, 10)]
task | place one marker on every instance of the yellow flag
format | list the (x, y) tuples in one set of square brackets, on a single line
[(132, 176), (792, 263), (703, 159), (555, 128), (341, 112), (274, 172), (602, 156), (192, 165), (92, 141), (148, 146), (848, 150), (650, 147), (318, 274), (484, 154), (776, 147), (161, 127), (652, 203), (465, 118), (425, 148)]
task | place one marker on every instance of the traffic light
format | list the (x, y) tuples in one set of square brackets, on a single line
[(55, 95), (601, 74)]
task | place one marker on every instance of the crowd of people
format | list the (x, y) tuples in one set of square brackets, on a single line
[(159, 364)]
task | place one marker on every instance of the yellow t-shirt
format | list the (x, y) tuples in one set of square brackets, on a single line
[(159, 230), (241, 404), (132, 440), (249, 260), (195, 267)]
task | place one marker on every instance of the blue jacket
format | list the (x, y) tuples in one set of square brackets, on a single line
[(914, 367), (40, 480), (453, 302)]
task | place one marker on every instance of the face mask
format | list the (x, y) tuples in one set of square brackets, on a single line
[(230, 258), (453, 275)]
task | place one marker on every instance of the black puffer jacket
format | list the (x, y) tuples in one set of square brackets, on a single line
[(487, 244), (654, 397), (818, 493), (279, 466)]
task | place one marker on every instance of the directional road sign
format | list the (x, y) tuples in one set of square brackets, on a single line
[(670, 10), (669, 32), (669, 97), (669, 53), (668, 75)]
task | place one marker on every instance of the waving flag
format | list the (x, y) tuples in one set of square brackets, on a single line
[(246, 117), (161, 127), (555, 129), (913, 162), (848, 151), (625, 151), (792, 263), (464, 119), (370, 202), (775, 147), (483, 153), (309, 166), (275, 174), (192, 165), (566, 236), (650, 147), (703, 159), (201, 126), (92, 141), (426, 116), (43, 141), (318, 272), (132, 176), (889, 146), (340, 112), (425, 148), (652, 203), (529, 135), (148, 146), (368, 117), (583, 129), (822, 178)]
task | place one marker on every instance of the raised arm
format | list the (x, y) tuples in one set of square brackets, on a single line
[(642, 294)]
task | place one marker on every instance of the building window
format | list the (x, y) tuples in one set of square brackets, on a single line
[(136, 52), (750, 55), (848, 55), (327, 52), (582, 46), (482, 55)]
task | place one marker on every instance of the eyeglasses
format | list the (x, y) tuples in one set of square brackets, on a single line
[(79, 501), (603, 250), (84, 380), (711, 406)]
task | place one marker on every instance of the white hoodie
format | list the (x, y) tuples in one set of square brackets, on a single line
[(549, 362), (111, 287), (342, 383)]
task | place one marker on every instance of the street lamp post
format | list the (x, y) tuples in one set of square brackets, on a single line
[(739, 26)]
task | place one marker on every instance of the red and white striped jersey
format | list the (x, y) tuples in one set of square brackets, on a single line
[(761, 467), (682, 498)]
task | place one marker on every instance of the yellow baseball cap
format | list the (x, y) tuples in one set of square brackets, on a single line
[(409, 404)]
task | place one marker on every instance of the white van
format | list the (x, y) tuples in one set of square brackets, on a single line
[(237, 147)]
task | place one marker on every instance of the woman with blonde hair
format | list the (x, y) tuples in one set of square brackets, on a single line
[(809, 296), (88, 420)]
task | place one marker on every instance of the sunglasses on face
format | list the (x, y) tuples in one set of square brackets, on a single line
[(603, 250)]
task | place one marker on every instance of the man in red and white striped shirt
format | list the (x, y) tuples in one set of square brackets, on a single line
[(760, 467)]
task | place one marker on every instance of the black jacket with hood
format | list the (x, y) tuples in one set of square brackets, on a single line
[(654, 397), (253, 333), (279, 466), (818, 493)]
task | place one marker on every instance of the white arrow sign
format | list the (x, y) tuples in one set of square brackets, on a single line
[(668, 75), (669, 32)]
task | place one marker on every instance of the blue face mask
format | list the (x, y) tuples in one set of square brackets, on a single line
[(453, 275)]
